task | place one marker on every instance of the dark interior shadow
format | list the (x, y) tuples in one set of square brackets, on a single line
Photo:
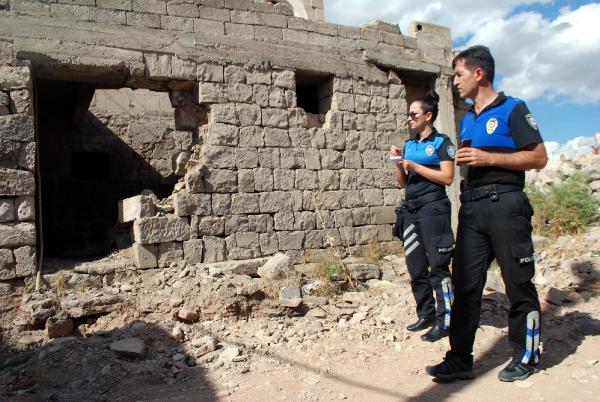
[(85, 169), (87, 369)]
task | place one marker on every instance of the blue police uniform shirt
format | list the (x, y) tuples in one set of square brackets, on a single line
[(504, 126), (428, 152)]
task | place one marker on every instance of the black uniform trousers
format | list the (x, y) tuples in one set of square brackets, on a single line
[(428, 242), (495, 227)]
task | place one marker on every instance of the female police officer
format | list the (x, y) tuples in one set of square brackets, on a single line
[(425, 170)]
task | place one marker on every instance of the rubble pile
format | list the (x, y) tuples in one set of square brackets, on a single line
[(558, 170), (125, 328)]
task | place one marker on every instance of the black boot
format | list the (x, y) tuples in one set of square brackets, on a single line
[(435, 334), (423, 323), (516, 371), (452, 368)]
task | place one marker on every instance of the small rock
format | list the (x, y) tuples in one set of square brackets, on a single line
[(188, 315), (177, 333), (176, 302), (126, 287), (362, 270), (292, 303), (230, 353), (358, 317), (290, 292), (59, 327), (249, 289), (178, 357), (317, 313), (591, 363), (556, 296), (315, 300), (204, 345), (276, 267), (132, 347), (577, 266)]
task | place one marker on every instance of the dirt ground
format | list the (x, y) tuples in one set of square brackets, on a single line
[(351, 347)]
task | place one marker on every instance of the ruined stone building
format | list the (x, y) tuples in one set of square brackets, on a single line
[(202, 130)]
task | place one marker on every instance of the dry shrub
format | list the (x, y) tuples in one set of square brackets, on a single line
[(374, 251), (59, 285)]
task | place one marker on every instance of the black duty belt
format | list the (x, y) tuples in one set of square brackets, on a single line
[(413, 205), (490, 191)]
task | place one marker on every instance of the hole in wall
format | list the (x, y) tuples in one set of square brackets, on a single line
[(97, 147), (314, 91)]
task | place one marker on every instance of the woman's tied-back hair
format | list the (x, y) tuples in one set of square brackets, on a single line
[(429, 103), (478, 56)]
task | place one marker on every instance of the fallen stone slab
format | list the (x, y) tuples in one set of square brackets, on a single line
[(362, 270), (131, 347), (102, 267), (38, 307), (86, 304), (239, 267)]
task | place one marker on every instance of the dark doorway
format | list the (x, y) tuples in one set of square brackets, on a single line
[(85, 169)]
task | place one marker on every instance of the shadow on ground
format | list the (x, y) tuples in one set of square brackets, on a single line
[(74, 369), (561, 336)]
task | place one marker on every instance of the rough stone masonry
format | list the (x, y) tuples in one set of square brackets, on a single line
[(278, 130)]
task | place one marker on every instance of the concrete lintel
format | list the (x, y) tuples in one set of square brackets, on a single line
[(118, 48), (397, 63)]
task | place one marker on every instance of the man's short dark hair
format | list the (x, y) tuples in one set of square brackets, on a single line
[(478, 56)]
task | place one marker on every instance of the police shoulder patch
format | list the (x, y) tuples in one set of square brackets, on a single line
[(531, 120), (491, 125), (451, 151)]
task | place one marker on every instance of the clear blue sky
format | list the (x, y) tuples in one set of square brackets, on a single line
[(547, 52)]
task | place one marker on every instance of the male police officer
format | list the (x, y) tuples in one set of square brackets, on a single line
[(494, 219)]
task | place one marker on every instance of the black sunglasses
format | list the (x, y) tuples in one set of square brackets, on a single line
[(414, 115)]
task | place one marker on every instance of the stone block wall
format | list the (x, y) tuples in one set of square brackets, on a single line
[(262, 181), (257, 174), (17, 167)]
